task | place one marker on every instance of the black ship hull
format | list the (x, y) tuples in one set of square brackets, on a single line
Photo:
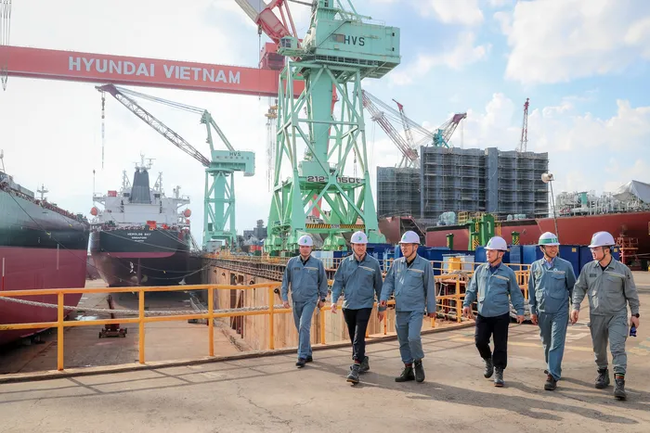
[(145, 257)]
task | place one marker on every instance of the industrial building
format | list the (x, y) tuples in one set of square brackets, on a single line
[(465, 180)]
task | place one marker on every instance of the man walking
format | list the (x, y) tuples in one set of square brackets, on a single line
[(410, 279), (494, 285), (358, 278), (551, 285), (611, 289), (306, 276)]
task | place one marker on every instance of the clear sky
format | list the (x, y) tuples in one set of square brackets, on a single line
[(584, 64)]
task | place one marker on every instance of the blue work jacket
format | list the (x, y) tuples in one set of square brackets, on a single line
[(413, 286), (494, 291), (550, 289), (308, 281), (359, 282)]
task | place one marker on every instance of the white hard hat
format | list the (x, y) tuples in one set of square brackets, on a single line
[(602, 239), (548, 239), (410, 237), (497, 243), (306, 241), (359, 238)]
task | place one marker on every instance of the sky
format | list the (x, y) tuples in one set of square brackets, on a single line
[(585, 65)]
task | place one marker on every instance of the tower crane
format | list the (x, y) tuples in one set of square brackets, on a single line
[(339, 50), (383, 113), (219, 196), (523, 142)]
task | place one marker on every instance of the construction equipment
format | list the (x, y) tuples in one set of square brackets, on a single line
[(339, 49), (384, 115), (219, 196), (113, 329)]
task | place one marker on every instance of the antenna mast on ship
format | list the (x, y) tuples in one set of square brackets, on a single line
[(42, 191), (2, 160)]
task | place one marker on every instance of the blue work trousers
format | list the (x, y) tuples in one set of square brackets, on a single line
[(552, 330), (302, 314), (408, 325)]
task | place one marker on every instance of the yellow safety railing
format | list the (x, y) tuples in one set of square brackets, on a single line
[(142, 319)]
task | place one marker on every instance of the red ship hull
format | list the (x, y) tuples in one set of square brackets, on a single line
[(35, 268), (579, 229)]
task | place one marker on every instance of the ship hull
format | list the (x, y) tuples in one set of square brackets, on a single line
[(577, 230), (144, 257), (39, 249)]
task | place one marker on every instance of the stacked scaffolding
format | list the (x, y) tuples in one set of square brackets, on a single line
[(398, 192), (466, 180)]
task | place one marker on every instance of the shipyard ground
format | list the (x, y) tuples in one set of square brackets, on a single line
[(270, 394)]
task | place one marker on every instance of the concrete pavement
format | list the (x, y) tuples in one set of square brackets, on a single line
[(270, 394)]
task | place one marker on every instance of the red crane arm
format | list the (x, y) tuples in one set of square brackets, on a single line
[(139, 71), (267, 21)]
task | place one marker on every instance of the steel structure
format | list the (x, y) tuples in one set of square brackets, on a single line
[(339, 49), (219, 196)]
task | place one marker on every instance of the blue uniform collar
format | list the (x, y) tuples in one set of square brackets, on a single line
[(551, 264), (493, 269)]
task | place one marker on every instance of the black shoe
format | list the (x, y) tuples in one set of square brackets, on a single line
[(301, 362), (602, 381), (498, 377), (489, 368), (619, 390), (309, 359), (407, 374), (365, 365), (550, 383), (419, 371), (353, 377)]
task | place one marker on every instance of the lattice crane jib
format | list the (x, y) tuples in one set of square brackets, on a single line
[(340, 49), (219, 194)]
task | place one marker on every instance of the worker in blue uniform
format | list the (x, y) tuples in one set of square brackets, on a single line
[(611, 289), (306, 276), (359, 279), (494, 285), (550, 285), (410, 280)]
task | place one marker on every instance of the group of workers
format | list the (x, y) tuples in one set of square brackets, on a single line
[(552, 284)]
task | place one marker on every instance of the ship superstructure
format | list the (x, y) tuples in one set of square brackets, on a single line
[(141, 236)]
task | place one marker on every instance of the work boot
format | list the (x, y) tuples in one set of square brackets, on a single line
[(550, 383), (365, 365), (407, 374), (619, 390), (498, 377), (353, 377), (309, 359), (301, 362), (602, 381), (489, 368), (419, 371)]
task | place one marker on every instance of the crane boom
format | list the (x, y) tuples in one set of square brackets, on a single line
[(156, 124), (266, 20), (378, 116), (443, 134)]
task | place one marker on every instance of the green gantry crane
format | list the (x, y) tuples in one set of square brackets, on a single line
[(219, 197), (340, 49)]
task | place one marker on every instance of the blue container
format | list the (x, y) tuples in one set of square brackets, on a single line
[(572, 254), (531, 253), (516, 255)]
